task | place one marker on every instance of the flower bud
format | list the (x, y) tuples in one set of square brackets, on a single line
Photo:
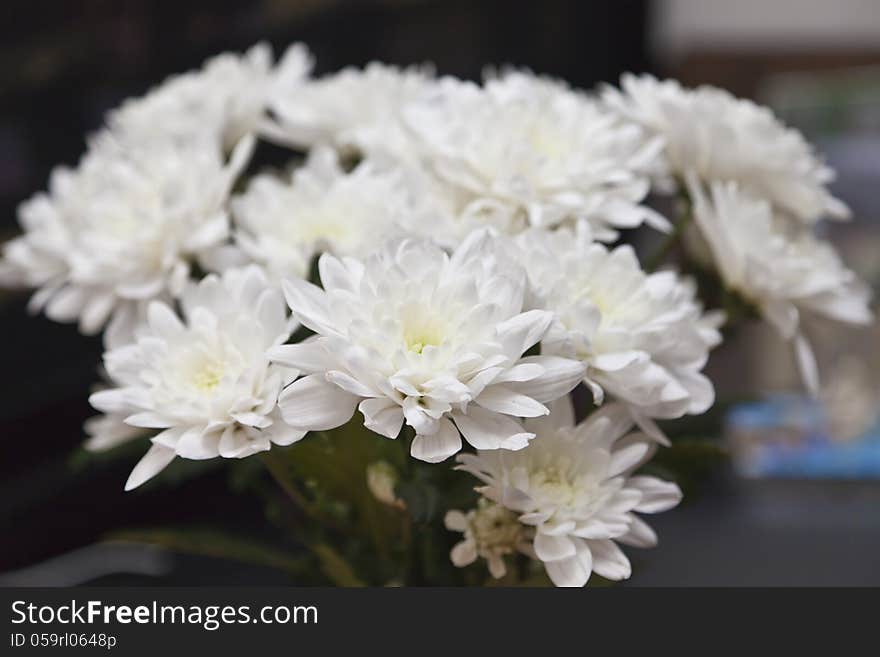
[(381, 479)]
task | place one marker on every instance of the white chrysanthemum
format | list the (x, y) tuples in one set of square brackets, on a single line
[(643, 337), (121, 229), (284, 224), (412, 333), (526, 151), (220, 103), (574, 485), (783, 269), (490, 532), (723, 138), (351, 109), (204, 381)]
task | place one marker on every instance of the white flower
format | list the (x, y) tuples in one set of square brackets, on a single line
[(533, 152), (574, 485), (121, 229), (412, 333), (490, 532), (780, 267), (220, 103), (352, 109), (721, 137), (204, 381), (643, 337), (285, 224)]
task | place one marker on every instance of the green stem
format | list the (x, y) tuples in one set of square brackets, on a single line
[(279, 473), (409, 534)]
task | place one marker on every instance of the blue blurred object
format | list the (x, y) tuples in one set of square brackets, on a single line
[(786, 436)]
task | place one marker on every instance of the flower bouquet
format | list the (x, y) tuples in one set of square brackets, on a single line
[(379, 292)]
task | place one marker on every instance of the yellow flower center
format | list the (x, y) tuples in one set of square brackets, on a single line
[(208, 376), (420, 334), (553, 483), (547, 140)]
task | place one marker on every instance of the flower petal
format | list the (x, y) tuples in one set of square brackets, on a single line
[(496, 566), (657, 495), (522, 331), (487, 430), (148, 420), (455, 521), (806, 362), (195, 445), (336, 274), (96, 313), (309, 305), (560, 377), (152, 463), (464, 553), (639, 535), (561, 417), (553, 548), (439, 446), (568, 572), (616, 361), (382, 416), (114, 400), (163, 321), (624, 458), (308, 357), (783, 316), (609, 561), (523, 371), (251, 419), (314, 404), (501, 399), (350, 384)]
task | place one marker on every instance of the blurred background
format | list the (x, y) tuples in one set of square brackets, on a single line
[(780, 490)]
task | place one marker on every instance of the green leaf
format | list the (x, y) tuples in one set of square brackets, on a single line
[(326, 473), (335, 566), (215, 543)]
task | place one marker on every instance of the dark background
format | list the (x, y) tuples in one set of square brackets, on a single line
[(64, 64)]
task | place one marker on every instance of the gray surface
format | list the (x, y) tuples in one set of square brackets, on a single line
[(768, 533)]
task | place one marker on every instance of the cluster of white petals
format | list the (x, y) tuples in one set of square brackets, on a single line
[(203, 379), (574, 486), (414, 334), (220, 103), (643, 337), (781, 269), (756, 189), (283, 224), (121, 229), (491, 532), (719, 137), (354, 110), (150, 196), (521, 150)]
